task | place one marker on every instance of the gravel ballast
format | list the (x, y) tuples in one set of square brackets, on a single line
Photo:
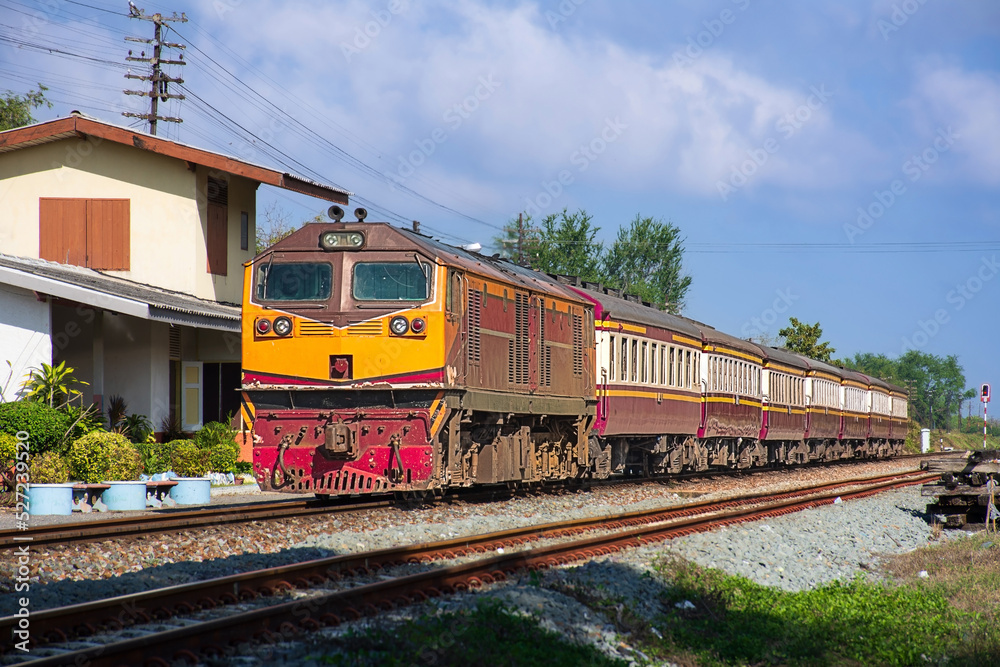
[(792, 552)]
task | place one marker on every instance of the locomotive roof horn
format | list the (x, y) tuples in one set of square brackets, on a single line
[(361, 213), (335, 212)]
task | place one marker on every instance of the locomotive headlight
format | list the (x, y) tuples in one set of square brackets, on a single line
[(330, 240), (263, 326), (418, 325), (282, 326), (399, 326), (341, 240)]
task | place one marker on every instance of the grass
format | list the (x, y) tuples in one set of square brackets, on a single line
[(488, 635), (952, 617)]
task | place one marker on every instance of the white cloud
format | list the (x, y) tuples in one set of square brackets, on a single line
[(947, 95), (687, 126)]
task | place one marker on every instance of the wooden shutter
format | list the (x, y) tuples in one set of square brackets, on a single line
[(62, 230), (108, 232), (85, 232), (218, 229)]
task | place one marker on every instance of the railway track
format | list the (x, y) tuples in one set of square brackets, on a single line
[(164, 521), (287, 619)]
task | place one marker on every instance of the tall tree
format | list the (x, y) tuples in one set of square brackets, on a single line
[(565, 245), (647, 260), (804, 339), (15, 110), (936, 384)]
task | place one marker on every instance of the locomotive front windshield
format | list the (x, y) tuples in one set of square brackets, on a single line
[(298, 281), (391, 281)]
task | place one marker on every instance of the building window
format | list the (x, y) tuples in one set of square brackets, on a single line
[(244, 230), (94, 233)]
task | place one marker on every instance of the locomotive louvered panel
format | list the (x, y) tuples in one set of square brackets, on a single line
[(521, 339), (365, 329), (314, 329), (546, 356), (475, 325), (577, 345)]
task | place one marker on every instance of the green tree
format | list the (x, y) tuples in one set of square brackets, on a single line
[(877, 365), (804, 338), (647, 260), (936, 384), (565, 245), (15, 110)]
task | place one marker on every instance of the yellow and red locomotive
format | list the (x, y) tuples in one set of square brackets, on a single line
[(376, 359)]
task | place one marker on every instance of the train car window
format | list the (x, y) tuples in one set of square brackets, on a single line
[(391, 281), (652, 364), (672, 352), (687, 369), (633, 362), (623, 376), (645, 363), (298, 281), (611, 359)]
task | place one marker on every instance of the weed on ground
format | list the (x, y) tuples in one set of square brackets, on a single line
[(488, 635), (717, 619)]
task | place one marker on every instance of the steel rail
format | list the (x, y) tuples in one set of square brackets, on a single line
[(63, 623), (173, 520), (287, 620)]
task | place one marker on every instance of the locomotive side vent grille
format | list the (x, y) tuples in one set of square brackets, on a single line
[(546, 356), (521, 339), (314, 329), (366, 329), (577, 345), (475, 322)]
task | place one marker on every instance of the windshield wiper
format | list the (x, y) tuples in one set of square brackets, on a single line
[(267, 274)]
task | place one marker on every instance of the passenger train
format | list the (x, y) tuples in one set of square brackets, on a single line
[(377, 359)]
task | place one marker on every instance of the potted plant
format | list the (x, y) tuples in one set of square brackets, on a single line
[(109, 458), (191, 463), (48, 489)]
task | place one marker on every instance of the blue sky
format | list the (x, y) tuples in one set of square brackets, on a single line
[(834, 161)]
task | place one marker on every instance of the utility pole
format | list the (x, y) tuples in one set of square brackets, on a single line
[(157, 79)]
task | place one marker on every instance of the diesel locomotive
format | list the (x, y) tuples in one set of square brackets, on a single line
[(377, 359)]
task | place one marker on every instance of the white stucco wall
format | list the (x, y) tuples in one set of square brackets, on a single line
[(25, 339), (168, 209)]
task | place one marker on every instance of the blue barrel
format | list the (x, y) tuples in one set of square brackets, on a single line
[(124, 496), (50, 499), (192, 491)]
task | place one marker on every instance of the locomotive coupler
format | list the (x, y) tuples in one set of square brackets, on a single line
[(341, 441)]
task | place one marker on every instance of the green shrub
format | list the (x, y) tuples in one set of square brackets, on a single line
[(101, 456), (83, 420), (8, 450), (137, 427), (155, 456), (45, 426), (220, 440), (187, 459), (48, 468)]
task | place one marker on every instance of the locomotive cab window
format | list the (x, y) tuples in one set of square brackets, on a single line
[(298, 281), (391, 281)]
